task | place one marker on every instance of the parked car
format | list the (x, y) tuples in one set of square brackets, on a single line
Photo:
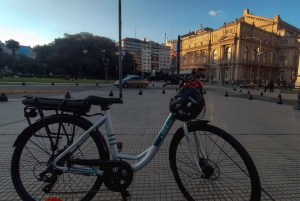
[(133, 82)]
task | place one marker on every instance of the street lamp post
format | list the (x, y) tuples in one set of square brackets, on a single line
[(105, 62), (259, 53)]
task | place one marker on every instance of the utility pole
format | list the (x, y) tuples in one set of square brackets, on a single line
[(120, 52)]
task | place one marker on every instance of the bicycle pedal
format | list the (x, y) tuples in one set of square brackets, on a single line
[(119, 146)]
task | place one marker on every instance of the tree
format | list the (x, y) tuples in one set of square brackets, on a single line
[(13, 46), (79, 55), (128, 64)]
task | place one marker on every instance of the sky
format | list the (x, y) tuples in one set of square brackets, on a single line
[(38, 22)]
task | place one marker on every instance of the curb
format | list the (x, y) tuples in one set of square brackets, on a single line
[(31, 91)]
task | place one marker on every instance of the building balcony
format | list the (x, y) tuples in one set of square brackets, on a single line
[(225, 63)]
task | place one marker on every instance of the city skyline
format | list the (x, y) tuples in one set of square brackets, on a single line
[(34, 22)]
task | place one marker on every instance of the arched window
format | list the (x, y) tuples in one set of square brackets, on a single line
[(265, 57), (192, 57), (198, 56), (215, 52), (246, 54), (227, 53)]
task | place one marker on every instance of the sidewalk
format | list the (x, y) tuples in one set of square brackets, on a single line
[(269, 132)]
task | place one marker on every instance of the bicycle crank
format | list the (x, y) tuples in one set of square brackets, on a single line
[(118, 176)]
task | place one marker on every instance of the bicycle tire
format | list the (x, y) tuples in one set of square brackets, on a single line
[(230, 171), (32, 153)]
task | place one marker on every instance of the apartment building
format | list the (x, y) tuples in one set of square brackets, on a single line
[(149, 56)]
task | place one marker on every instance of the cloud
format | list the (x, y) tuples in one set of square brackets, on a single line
[(214, 13)]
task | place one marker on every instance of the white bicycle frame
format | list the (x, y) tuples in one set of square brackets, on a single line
[(143, 158)]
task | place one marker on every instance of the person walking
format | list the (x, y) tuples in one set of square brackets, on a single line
[(232, 83), (266, 86), (271, 86)]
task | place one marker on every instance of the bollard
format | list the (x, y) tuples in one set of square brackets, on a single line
[(152, 84), (111, 93), (250, 97), (241, 91), (52, 84), (204, 92), (68, 95), (163, 91), (96, 84), (279, 101), (261, 93), (23, 83), (248, 92), (76, 84), (226, 94), (141, 93), (3, 97)]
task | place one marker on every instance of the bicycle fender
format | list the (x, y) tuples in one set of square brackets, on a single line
[(27, 130), (198, 122)]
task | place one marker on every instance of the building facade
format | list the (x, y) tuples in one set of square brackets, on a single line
[(149, 56), (249, 48)]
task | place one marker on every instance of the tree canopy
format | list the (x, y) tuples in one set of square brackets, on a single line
[(13, 46), (75, 55)]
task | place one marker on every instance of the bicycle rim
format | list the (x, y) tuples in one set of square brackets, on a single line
[(230, 173), (32, 155)]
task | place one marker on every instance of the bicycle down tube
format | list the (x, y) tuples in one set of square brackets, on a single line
[(147, 155)]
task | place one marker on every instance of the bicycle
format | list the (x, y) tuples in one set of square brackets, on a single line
[(64, 156)]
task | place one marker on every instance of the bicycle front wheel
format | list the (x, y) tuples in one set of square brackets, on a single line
[(31, 171), (229, 172)]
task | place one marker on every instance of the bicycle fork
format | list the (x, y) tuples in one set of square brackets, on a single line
[(191, 148)]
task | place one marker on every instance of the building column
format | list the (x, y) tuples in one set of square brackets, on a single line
[(297, 83)]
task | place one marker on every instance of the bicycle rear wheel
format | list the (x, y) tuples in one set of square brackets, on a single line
[(32, 155), (230, 173)]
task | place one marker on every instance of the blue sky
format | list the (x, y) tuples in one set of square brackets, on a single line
[(33, 22)]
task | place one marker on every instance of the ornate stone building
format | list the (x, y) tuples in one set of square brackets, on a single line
[(248, 48)]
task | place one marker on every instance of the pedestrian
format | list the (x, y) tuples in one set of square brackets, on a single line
[(232, 83), (271, 86), (266, 86)]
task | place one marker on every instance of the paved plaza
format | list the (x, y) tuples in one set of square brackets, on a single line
[(269, 131)]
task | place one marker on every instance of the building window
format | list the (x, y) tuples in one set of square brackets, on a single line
[(265, 57), (192, 57), (246, 54), (204, 57), (215, 56), (281, 62), (273, 59), (228, 53)]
